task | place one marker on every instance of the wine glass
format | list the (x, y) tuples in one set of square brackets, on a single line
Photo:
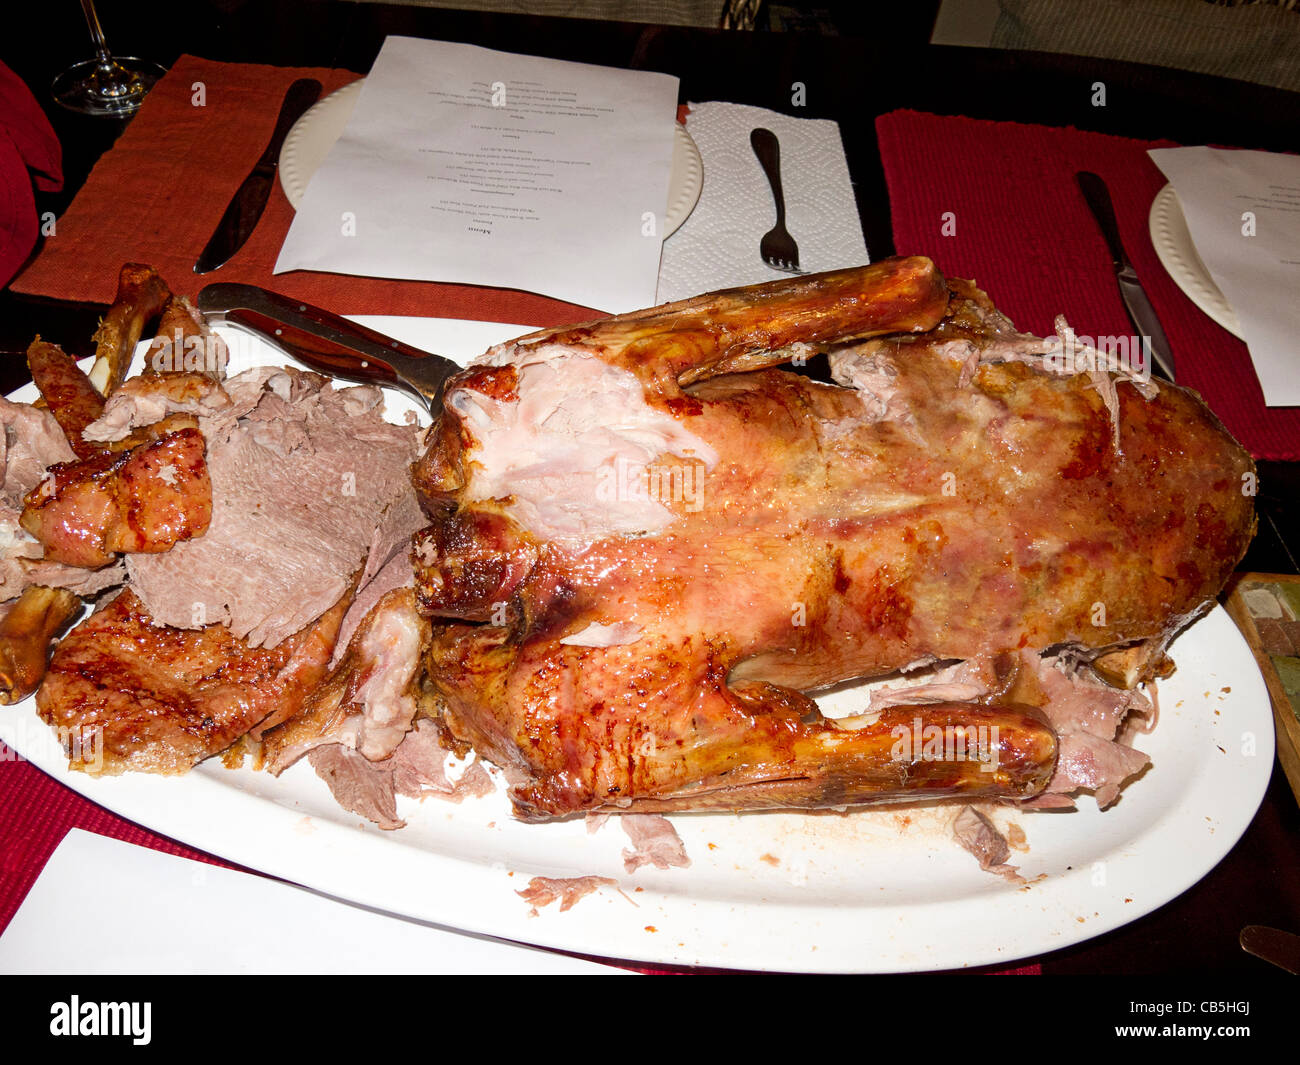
[(107, 84)]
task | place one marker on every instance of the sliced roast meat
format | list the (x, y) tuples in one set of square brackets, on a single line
[(1093, 764), (31, 442), (388, 563), (86, 583), (298, 486), (358, 784)]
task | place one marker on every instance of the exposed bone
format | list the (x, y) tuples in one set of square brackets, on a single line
[(26, 630), (141, 295)]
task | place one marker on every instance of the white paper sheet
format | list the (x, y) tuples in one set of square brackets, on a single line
[(469, 165), (1243, 212), (174, 915)]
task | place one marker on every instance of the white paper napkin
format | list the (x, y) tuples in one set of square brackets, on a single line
[(267, 926), (1243, 213), (717, 246)]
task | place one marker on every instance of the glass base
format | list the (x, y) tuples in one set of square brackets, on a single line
[(115, 87)]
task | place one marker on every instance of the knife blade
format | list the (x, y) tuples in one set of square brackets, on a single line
[(330, 344), (250, 198), (1272, 945), (1138, 305)]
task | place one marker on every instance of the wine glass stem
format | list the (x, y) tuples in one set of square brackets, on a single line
[(96, 32)]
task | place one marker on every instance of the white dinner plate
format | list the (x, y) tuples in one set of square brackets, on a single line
[(314, 134), (1173, 244), (830, 892)]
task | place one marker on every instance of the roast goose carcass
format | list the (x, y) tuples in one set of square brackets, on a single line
[(648, 545)]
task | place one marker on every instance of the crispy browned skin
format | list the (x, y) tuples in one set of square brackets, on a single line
[(143, 493), (136, 500), (141, 297), (159, 699), (25, 634), (723, 332), (72, 399), (749, 328), (974, 519), (146, 498)]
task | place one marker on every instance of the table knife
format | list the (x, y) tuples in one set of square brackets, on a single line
[(1272, 945), (330, 344), (246, 206), (1131, 292)]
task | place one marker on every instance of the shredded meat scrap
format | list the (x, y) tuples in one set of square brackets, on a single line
[(976, 833), (654, 842), (543, 890), (416, 769)]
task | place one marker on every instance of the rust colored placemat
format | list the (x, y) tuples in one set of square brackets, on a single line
[(998, 202), (158, 194)]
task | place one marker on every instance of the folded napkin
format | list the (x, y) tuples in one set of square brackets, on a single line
[(29, 151), (156, 896), (997, 202), (717, 246), (158, 194)]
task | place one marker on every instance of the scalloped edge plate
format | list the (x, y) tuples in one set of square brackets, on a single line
[(1177, 253)]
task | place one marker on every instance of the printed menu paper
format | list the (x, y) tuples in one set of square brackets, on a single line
[(1243, 212), (465, 164)]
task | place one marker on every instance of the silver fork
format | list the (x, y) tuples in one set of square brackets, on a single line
[(777, 247)]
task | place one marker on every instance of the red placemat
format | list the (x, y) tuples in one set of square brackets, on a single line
[(158, 194), (29, 154), (997, 202), (36, 812)]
